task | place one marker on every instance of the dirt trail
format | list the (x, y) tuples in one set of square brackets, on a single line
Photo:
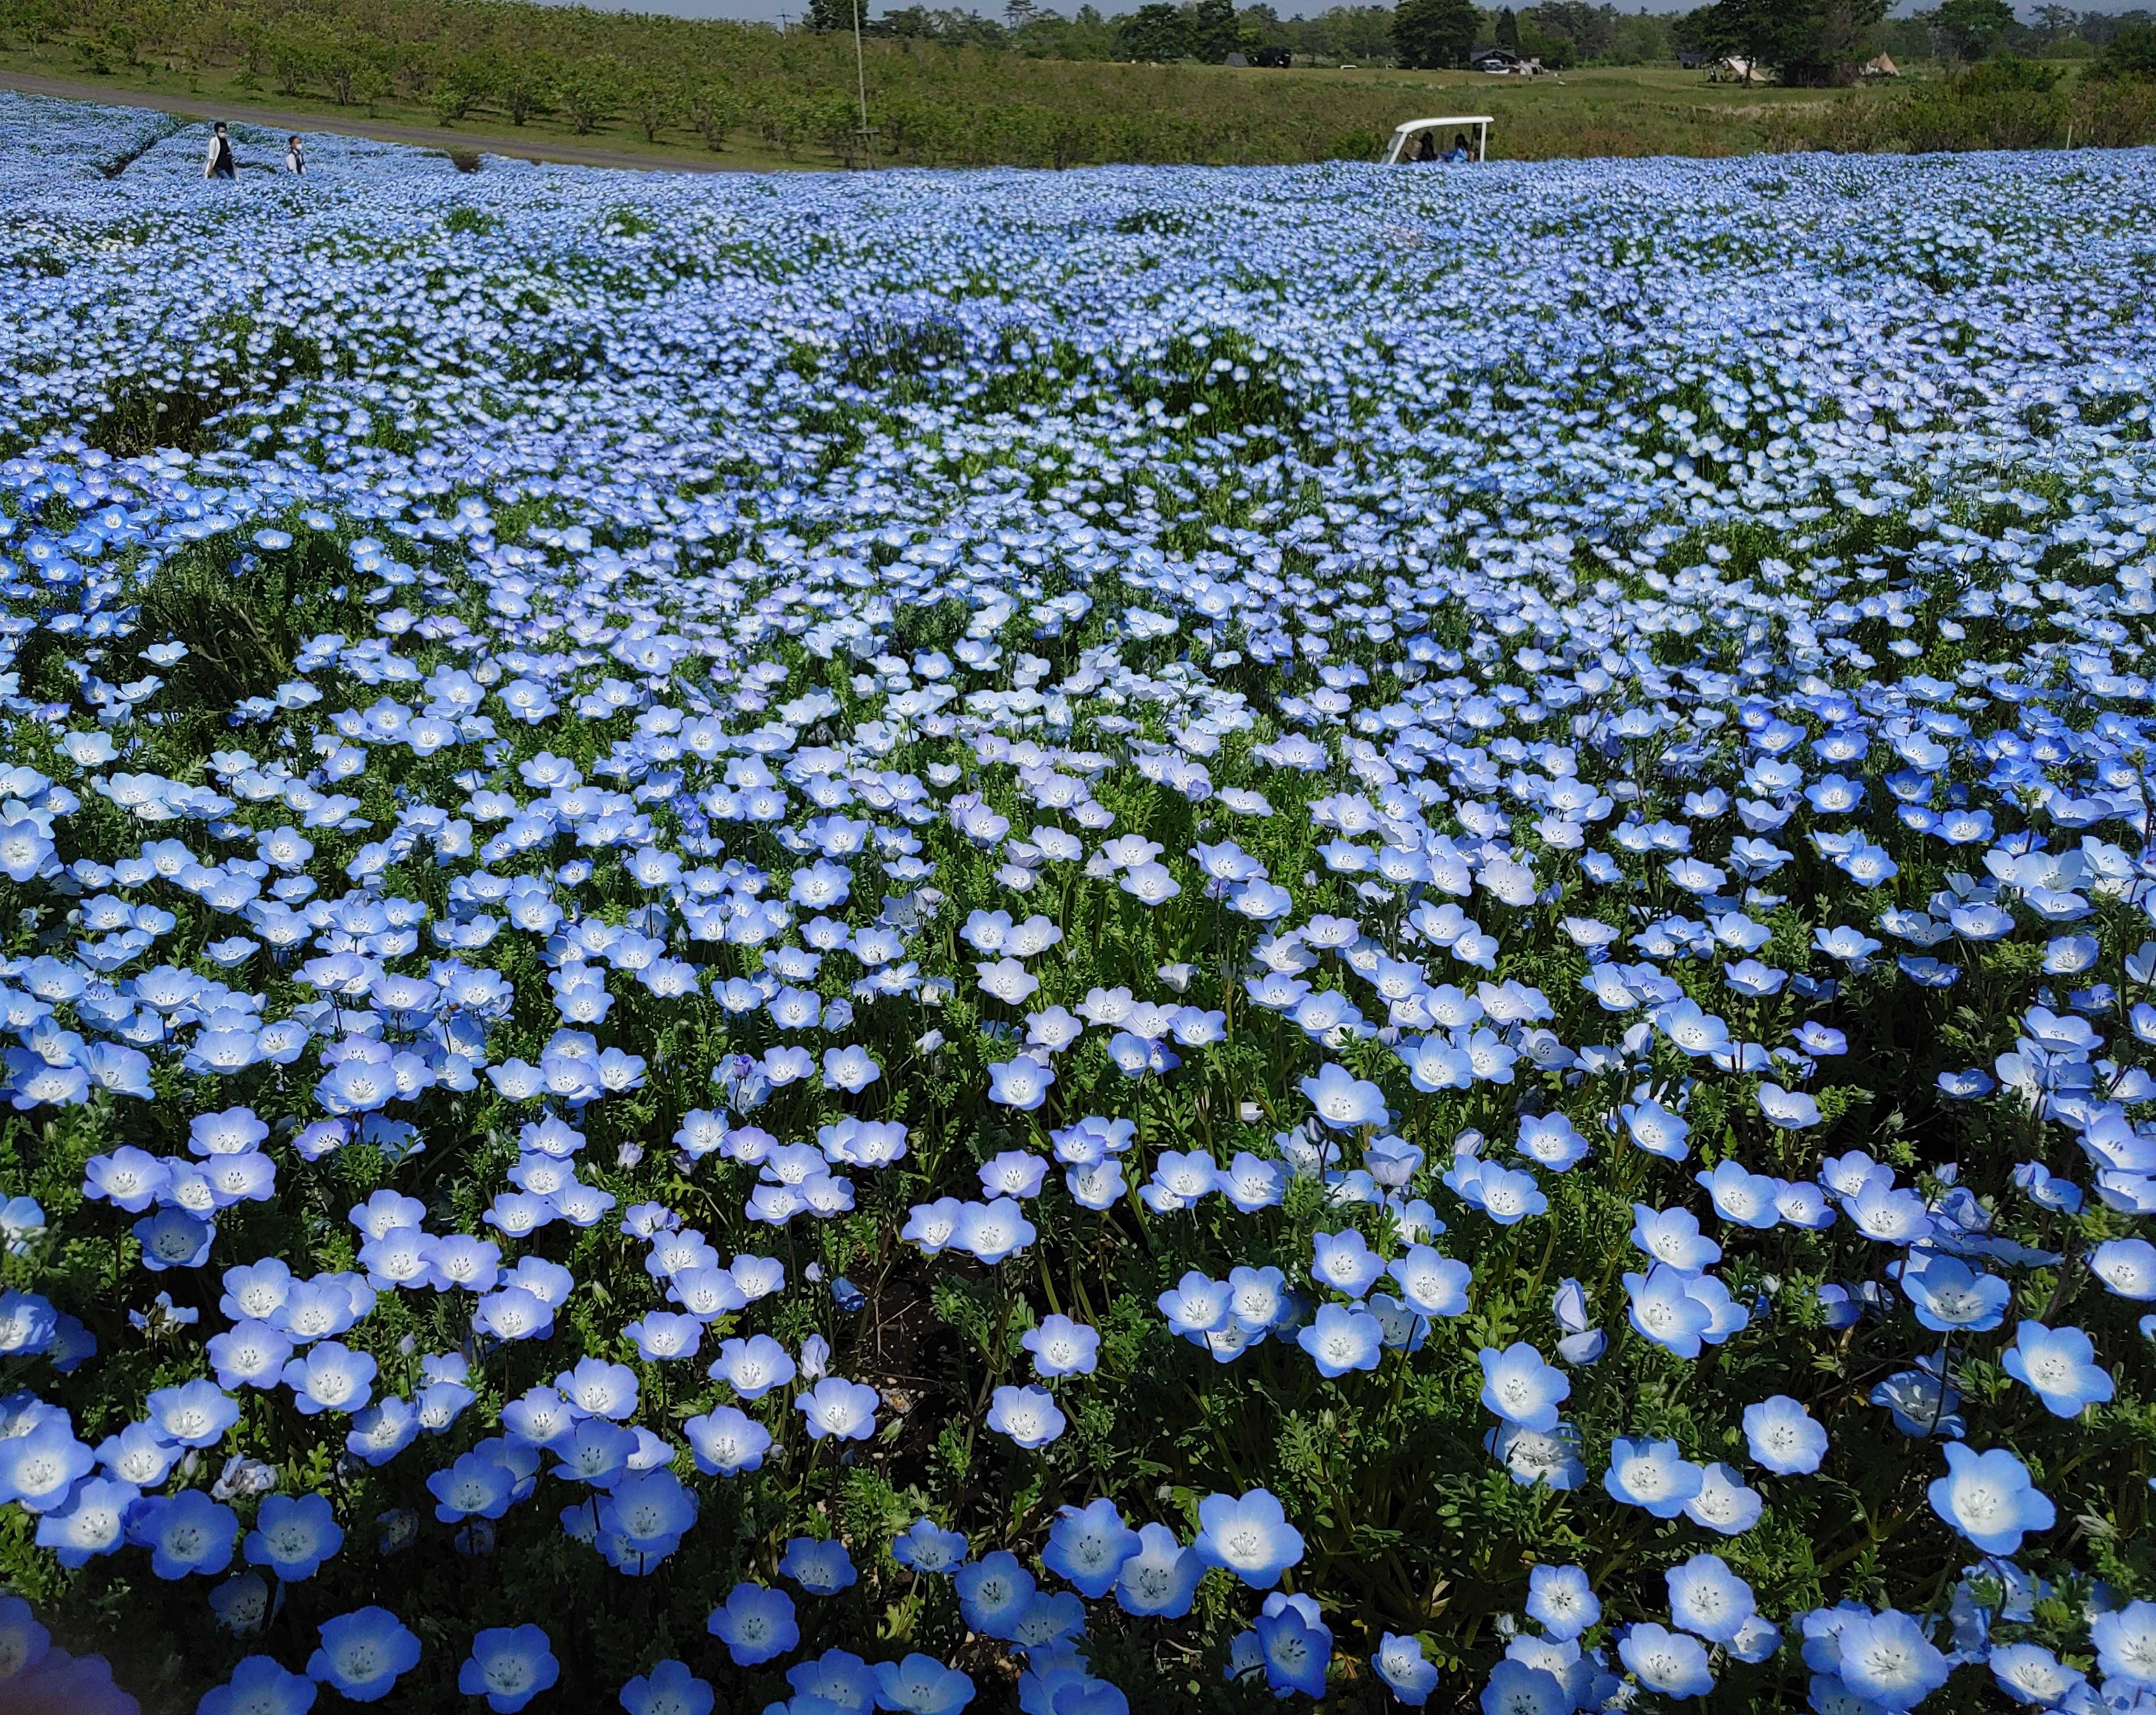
[(381, 131)]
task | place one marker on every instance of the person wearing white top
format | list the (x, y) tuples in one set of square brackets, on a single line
[(218, 163), (296, 156)]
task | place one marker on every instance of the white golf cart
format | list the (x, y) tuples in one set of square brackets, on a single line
[(1420, 140)]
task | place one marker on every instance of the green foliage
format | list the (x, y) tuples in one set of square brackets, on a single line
[(2131, 53), (1971, 29), (1430, 33), (1157, 32), (2001, 104), (1801, 41)]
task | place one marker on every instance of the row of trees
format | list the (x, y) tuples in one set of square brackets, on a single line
[(1807, 41), (1561, 31), (1820, 42)]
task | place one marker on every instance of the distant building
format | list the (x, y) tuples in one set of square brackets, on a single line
[(1504, 62)]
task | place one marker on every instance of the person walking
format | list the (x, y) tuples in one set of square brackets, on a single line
[(295, 157), (218, 162)]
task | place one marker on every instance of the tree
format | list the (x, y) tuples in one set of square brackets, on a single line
[(1430, 34), (1508, 27), (2132, 53), (2055, 21), (1214, 33), (1158, 31), (1971, 29), (521, 91), (713, 112), (587, 94), (655, 103), (1801, 41), (1590, 30), (461, 86), (828, 17)]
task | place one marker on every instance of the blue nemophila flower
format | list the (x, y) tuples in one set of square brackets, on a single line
[(39, 1464), (1988, 1497), (669, 1689), (1087, 1547), (195, 1413), (643, 1519), (259, 1685), (187, 1533), (331, 1377), (1161, 1577), (2059, 1366), (1561, 1600), (726, 1440), (821, 1566), (1673, 1236), (1652, 1475), (1431, 1284), (474, 1486), (1249, 1535), (1665, 1662), (2125, 1641), (1408, 1673), (1029, 1416), (508, 1666), (1344, 1102), (753, 1367), (1887, 1659), (293, 1536), (2033, 1677), (1295, 1645), (90, 1522), (1664, 1311), (1341, 1338), (993, 1593), (921, 1685), (1655, 1130), (924, 1547), (755, 1623), (1785, 1437), (837, 1407), (1061, 1347), (1520, 1387), (1948, 1295), (1345, 1262), (1709, 1601), (1515, 1688), (1022, 1083), (1742, 1197), (2127, 1267), (1194, 1305)]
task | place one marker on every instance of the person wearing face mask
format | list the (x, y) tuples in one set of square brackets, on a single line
[(218, 163)]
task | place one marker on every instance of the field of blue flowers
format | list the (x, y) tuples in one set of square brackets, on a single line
[(1144, 940)]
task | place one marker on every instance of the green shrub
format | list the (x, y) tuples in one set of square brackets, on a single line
[(2130, 53), (2004, 102)]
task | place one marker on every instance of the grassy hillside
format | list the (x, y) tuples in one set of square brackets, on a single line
[(753, 97), (525, 77)]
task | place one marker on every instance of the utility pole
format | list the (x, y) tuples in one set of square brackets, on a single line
[(861, 83)]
